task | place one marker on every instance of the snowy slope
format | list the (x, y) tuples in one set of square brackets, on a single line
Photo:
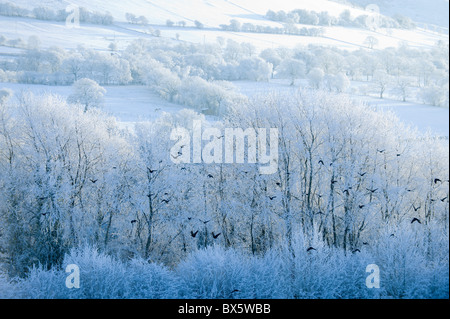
[(211, 13)]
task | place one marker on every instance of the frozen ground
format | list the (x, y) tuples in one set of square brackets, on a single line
[(212, 14), (425, 118), (136, 103)]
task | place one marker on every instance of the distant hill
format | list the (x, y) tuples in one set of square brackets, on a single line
[(425, 11)]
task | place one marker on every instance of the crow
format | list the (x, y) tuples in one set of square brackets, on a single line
[(210, 176), (372, 190), (416, 220), (363, 174), (165, 201), (94, 181), (310, 248), (334, 181), (366, 244), (278, 184), (183, 168), (347, 192), (321, 162), (362, 206), (381, 151), (134, 221), (444, 199), (215, 236), (437, 180), (398, 155), (43, 214), (194, 234), (205, 222), (231, 294), (151, 171), (356, 251), (272, 197), (416, 208)]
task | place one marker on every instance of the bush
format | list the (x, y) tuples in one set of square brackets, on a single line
[(101, 277)]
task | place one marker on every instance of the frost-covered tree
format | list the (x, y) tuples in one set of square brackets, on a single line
[(292, 69), (315, 77), (87, 93)]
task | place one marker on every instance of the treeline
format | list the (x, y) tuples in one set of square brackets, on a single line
[(291, 29), (404, 73), (349, 179), (301, 16), (48, 14)]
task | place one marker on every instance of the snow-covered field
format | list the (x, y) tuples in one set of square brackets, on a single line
[(138, 103)]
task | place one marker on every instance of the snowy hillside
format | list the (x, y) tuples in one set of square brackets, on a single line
[(211, 12), (213, 15)]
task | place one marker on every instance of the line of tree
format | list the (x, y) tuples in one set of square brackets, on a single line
[(403, 73), (301, 16), (288, 28), (349, 179), (48, 14)]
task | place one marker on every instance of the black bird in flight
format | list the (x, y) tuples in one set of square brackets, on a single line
[(381, 151), (310, 248), (356, 251), (362, 206), (93, 181), (165, 201), (372, 190), (278, 184), (134, 221), (437, 180), (194, 234), (321, 162), (205, 222), (334, 181), (151, 171), (210, 176), (416, 208), (363, 174), (215, 236), (365, 243), (347, 192), (416, 220), (444, 199), (272, 197)]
